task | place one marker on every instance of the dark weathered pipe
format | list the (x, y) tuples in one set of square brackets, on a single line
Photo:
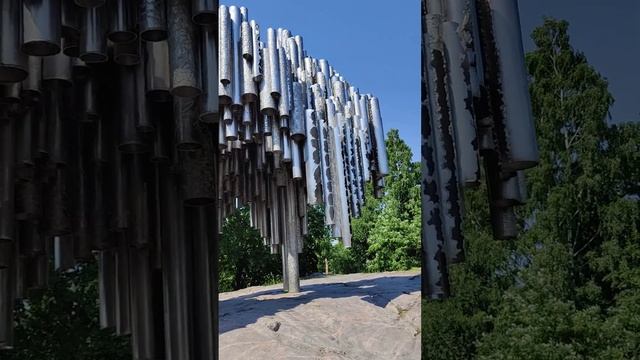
[(57, 207), (6, 308), (41, 136), (163, 135), (127, 53), (205, 292), (107, 288), (37, 273), (312, 162), (57, 68), (123, 286), (121, 21), (10, 93), (7, 177), (41, 27), (183, 50), (297, 123), (81, 228), (138, 201), (144, 122), (70, 19), (152, 20), (519, 130), (142, 306), (32, 85), (63, 253), (188, 135), (90, 103), (93, 40), (158, 76), (13, 63), (197, 180), (31, 242), (130, 140), (205, 12), (466, 139), (209, 68), (119, 210), (98, 223), (176, 278), (71, 46)]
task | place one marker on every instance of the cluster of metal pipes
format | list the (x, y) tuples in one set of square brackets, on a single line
[(292, 132), (476, 113), (124, 139)]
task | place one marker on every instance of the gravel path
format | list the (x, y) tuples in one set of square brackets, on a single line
[(355, 317)]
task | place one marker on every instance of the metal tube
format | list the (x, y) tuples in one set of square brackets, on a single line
[(176, 277), (273, 69), (127, 53), (205, 12), (7, 178), (466, 140), (13, 63), (210, 103), (225, 46), (137, 199), (183, 50), (93, 42), (107, 288), (256, 46), (32, 85), (236, 58), (312, 161), (378, 134), (298, 121), (519, 128), (41, 27), (152, 20), (130, 140), (198, 179), (142, 305), (123, 286), (186, 124), (121, 24), (157, 71), (204, 260)]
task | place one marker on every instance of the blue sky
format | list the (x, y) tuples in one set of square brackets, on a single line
[(375, 45)]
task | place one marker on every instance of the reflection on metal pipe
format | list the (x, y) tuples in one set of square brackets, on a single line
[(475, 103)]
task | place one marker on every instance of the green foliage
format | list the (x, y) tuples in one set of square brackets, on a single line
[(244, 259), (394, 231), (317, 242), (386, 235), (62, 322), (568, 287)]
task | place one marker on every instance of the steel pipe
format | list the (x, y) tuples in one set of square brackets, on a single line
[(152, 20), (183, 50), (41, 27), (13, 63)]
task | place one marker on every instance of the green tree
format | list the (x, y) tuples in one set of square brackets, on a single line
[(62, 322), (244, 259), (317, 242), (568, 287), (585, 221), (394, 233)]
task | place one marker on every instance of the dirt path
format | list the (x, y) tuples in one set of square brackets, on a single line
[(355, 317)]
